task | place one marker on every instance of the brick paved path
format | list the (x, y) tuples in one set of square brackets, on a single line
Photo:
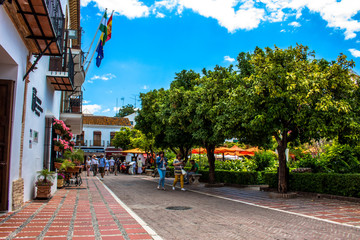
[(87, 212), (220, 213)]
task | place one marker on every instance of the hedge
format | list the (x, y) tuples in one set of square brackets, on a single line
[(328, 183), (226, 176)]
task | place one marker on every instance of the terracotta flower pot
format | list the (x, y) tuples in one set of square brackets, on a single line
[(60, 183), (58, 132), (57, 165), (43, 192), (57, 149)]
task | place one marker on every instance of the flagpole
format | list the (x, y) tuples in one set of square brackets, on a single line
[(87, 55), (92, 56)]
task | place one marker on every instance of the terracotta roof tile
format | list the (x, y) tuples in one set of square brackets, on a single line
[(101, 120)]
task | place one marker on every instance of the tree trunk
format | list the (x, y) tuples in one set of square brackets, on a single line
[(211, 159), (282, 180)]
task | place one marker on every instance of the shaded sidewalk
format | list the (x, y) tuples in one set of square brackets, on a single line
[(86, 212)]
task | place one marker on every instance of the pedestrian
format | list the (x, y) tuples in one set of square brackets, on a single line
[(112, 165), (88, 165), (117, 166), (140, 166), (102, 163), (107, 166), (94, 165), (161, 162), (178, 171)]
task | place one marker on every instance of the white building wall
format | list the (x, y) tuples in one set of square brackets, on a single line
[(32, 158), (131, 118), (105, 133), (15, 48)]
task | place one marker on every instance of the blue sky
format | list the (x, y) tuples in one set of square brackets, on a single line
[(152, 40)]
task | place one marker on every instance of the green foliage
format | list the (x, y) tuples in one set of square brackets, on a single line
[(76, 156), (264, 160), (125, 111), (44, 176), (316, 163), (66, 164), (327, 183), (342, 158), (122, 138)]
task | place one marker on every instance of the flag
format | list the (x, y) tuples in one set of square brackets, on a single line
[(109, 28), (103, 29), (100, 55)]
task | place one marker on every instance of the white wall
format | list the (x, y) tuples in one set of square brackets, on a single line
[(32, 158), (17, 51), (131, 118), (105, 133)]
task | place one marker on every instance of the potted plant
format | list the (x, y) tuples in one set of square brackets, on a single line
[(58, 162), (76, 156), (44, 183), (68, 135), (59, 127), (60, 180)]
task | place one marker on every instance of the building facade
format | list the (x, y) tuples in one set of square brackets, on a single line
[(36, 79), (98, 132)]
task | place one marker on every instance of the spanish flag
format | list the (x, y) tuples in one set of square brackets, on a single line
[(109, 28)]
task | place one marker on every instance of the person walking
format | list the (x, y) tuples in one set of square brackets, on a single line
[(161, 162), (178, 168), (140, 166), (112, 165), (117, 166), (102, 163), (94, 165), (107, 166), (88, 166)]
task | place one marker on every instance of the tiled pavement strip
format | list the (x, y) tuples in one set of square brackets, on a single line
[(335, 211), (90, 211)]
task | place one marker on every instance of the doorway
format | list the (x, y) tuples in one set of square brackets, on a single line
[(6, 100)]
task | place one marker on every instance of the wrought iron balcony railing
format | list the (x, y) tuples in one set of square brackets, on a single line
[(73, 103)]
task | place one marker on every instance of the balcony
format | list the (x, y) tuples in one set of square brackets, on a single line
[(61, 73), (72, 103), (43, 22)]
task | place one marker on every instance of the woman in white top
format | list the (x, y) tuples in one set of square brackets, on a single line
[(88, 166)]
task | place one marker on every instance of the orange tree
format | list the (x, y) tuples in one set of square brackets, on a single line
[(289, 95)]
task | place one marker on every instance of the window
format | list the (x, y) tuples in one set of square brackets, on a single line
[(97, 138), (80, 139), (112, 135)]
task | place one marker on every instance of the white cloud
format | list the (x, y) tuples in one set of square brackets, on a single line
[(229, 59), (106, 110), (116, 109), (245, 14), (129, 8), (295, 24), (283, 30), (354, 52), (104, 77), (91, 108), (86, 102), (145, 87), (160, 15)]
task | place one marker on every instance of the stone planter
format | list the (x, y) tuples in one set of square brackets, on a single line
[(43, 192), (60, 183)]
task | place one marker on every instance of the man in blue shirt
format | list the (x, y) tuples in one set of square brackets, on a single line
[(102, 163)]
